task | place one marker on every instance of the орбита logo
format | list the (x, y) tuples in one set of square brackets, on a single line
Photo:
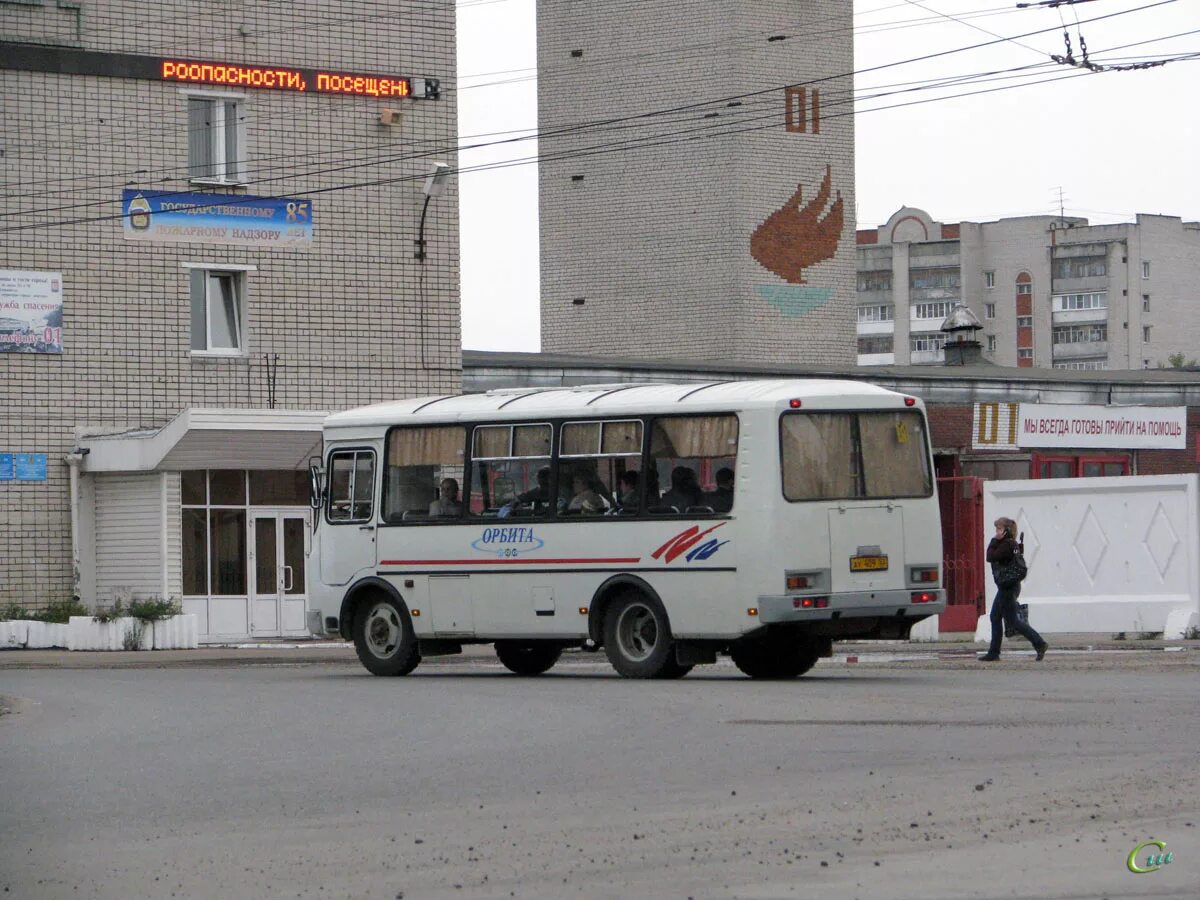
[(686, 540), (1154, 861), (509, 542)]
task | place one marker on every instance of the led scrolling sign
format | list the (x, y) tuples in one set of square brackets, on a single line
[(288, 79)]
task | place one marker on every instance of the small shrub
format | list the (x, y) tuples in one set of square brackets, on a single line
[(154, 610), (132, 639), (60, 611), (116, 611), (14, 611)]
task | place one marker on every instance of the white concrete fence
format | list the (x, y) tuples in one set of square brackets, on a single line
[(1107, 555)]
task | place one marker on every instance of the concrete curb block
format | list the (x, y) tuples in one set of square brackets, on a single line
[(32, 635), (176, 633)]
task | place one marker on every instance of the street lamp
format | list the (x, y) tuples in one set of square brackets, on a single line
[(435, 186)]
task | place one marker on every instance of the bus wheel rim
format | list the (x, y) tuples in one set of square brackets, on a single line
[(383, 631), (637, 632)]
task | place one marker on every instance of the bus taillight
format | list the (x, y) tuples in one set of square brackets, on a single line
[(923, 574), (924, 596), (810, 603)]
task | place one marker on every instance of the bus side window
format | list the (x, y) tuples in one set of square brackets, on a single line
[(351, 485), (693, 460), (593, 457), (423, 474)]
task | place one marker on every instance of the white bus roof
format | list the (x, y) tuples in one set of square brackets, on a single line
[(616, 399)]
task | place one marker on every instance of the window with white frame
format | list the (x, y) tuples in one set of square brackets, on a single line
[(1084, 365), (919, 343), (1146, 334), (1079, 334), (1025, 353), (1024, 321), (991, 345), (216, 139), (1024, 290), (882, 313), (989, 310), (1067, 302), (1145, 268), (1145, 303), (989, 279), (218, 310), (936, 310)]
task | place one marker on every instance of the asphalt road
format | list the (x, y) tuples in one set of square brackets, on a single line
[(925, 779)]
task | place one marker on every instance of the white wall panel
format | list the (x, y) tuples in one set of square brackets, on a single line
[(129, 535), (1104, 554)]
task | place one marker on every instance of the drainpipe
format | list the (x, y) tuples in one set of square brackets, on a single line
[(74, 460)]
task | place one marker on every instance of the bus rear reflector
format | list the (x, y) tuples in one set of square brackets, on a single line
[(909, 401), (794, 404), (810, 603), (924, 596)]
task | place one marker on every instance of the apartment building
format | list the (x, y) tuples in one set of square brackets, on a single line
[(1051, 292), (207, 243), (696, 179)]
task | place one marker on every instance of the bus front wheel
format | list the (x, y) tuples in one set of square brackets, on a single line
[(527, 657), (637, 638), (384, 638), (775, 656)]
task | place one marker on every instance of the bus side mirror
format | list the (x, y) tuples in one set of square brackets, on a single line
[(315, 494)]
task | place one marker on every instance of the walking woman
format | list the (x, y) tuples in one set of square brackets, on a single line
[(1004, 608)]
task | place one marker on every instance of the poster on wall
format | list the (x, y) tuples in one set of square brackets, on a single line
[(31, 312), (195, 218), (1115, 427)]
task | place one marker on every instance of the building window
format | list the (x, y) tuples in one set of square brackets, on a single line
[(919, 343), (1067, 302), (1080, 267), (218, 310), (1024, 321), (940, 278), (215, 139), (1084, 365), (1145, 303), (937, 310), (1145, 268), (989, 279), (876, 313), (1024, 290), (1146, 334), (991, 343), (1026, 353), (875, 344), (1079, 334), (875, 281), (989, 310)]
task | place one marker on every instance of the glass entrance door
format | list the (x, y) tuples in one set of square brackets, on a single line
[(279, 595)]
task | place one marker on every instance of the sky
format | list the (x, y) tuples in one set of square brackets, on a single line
[(1106, 145)]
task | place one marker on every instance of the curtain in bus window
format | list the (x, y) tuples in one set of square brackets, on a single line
[(441, 446), (418, 461), (491, 442), (818, 456), (531, 440), (895, 460), (624, 437), (695, 436), (580, 439)]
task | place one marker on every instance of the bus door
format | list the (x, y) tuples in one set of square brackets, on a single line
[(347, 538), (867, 547)]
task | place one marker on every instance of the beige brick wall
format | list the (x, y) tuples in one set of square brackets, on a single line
[(655, 236), (345, 316)]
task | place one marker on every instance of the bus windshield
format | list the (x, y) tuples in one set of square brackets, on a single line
[(854, 455)]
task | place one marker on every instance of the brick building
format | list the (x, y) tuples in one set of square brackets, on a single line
[(707, 212), (209, 214), (1050, 292)]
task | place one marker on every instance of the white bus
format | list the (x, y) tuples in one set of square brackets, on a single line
[(664, 524)]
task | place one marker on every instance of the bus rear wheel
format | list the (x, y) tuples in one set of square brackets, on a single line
[(637, 638), (384, 638), (528, 657), (775, 656)]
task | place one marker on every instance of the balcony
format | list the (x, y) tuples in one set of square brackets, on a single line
[(927, 357), (874, 298), (877, 359), (1080, 350), (926, 325), (920, 295), (1091, 285), (1079, 317), (876, 328)]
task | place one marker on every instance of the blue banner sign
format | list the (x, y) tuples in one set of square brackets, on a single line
[(8, 469), (30, 466), (216, 218)]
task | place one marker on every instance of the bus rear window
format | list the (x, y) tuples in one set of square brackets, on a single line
[(848, 455)]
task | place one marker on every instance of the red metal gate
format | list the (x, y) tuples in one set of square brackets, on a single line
[(961, 501)]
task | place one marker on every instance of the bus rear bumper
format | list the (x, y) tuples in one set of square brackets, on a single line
[(777, 609)]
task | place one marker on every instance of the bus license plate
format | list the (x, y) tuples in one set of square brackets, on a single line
[(868, 563)]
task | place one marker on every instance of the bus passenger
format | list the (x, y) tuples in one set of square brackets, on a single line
[(447, 504), (586, 500), (685, 490), (721, 500), (538, 496), (628, 499)]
